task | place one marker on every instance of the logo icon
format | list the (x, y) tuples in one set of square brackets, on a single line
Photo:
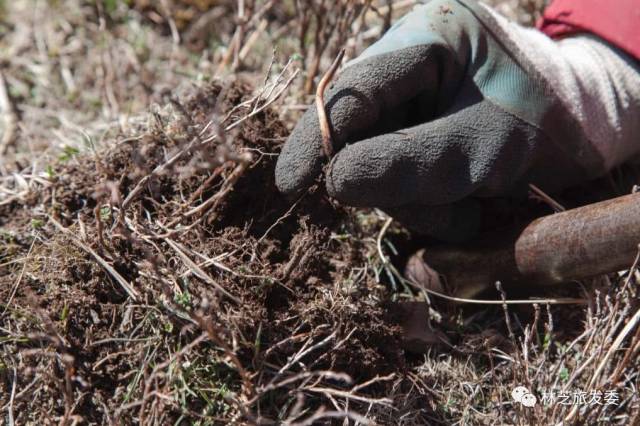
[(522, 395)]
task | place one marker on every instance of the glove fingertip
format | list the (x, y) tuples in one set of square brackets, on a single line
[(342, 178), (301, 159)]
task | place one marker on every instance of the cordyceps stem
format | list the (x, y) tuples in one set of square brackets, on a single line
[(327, 145)]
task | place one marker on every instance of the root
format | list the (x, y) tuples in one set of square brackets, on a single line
[(327, 144)]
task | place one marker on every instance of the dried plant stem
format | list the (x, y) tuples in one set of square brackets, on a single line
[(132, 292), (198, 144), (396, 6), (546, 198), (255, 36), (216, 173), (15, 286), (327, 145), (13, 394), (161, 168), (631, 324), (197, 271), (100, 229), (244, 161), (10, 116), (207, 183), (149, 382)]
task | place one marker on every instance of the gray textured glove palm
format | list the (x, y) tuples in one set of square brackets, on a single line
[(442, 110)]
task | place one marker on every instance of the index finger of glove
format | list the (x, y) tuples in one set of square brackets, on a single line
[(365, 99)]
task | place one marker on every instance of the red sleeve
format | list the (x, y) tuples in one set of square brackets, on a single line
[(617, 21)]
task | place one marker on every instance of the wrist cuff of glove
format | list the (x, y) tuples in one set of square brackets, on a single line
[(597, 85)]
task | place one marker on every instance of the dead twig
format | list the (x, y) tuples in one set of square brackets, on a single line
[(595, 376), (197, 193), (613, 380), (547, 199), (146, 395), (132, 292), (15, 286), (267, 103), (156, 172), (10, 116), (243, 161), (327, 145), (387, 402), (100, 229), (299, 253), (197, 144), (246, 18), (197, 271), (13, 394)]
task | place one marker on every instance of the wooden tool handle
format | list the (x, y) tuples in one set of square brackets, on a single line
[(588, 241)]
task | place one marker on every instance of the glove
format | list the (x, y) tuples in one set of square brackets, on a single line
[(454, 104)]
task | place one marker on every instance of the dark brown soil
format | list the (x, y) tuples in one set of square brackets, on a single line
[(309, 299), (282, 262), (308, 302)]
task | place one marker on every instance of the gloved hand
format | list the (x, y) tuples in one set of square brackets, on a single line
[(456, 103)]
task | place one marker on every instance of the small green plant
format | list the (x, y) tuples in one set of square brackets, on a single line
[(564, 374), (547, 341), (65, 313), (105, 213), (110, 6), (7, 236), (183, 299), (50, 171), (37, 223), (88, 141), (68, 152)]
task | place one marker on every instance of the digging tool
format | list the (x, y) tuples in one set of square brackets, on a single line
[(584, 242)]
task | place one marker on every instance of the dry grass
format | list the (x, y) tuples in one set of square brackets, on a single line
[(151, 273)]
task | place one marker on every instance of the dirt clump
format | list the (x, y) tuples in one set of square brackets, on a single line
[(240, 305)]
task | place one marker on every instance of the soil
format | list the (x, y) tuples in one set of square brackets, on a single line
[(287, 267), (308, 330)]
